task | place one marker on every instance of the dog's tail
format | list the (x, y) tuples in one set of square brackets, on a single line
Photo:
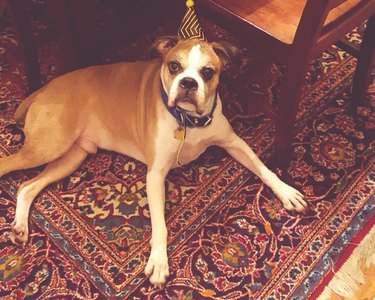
[(22, 110)]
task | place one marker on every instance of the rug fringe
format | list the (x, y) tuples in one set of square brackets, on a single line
[(347, 279)]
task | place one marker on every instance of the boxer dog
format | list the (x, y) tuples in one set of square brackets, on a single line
[(164, 113)]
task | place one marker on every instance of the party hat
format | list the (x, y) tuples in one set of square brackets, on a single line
[(190, 27)]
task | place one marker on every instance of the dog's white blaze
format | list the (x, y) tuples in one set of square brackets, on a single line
[(194, 57)]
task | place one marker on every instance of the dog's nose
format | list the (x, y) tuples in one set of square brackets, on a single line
[(188, 83)]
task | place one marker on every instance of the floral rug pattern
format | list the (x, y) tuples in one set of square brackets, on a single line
[(229, 237)]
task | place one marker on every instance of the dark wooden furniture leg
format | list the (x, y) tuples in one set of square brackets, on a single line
[(60, 9), (287, 111), (365, 63), (21, 22), (296, 66)]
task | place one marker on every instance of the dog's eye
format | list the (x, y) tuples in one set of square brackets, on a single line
[(208, 73), (174, 67)]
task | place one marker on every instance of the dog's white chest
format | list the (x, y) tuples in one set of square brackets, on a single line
[(190, 151), (196, 142)]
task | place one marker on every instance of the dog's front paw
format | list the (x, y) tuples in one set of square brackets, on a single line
[(20, 232), (289, 196), (157, 267)]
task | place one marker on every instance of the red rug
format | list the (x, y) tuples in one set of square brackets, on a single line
[(229, 237)]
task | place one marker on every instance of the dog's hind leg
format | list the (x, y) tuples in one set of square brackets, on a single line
[(48, 135), (54, 171)]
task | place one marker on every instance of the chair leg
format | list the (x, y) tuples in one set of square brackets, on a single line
[(86, 32), (60, 10), (287, 110), (365, 64), (20, 19)]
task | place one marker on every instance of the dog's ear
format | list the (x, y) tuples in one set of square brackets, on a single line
[(162, 45), (229, 55)]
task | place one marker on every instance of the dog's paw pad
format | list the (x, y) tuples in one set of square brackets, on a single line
[(157, 269), (20, 233), (291, 199)]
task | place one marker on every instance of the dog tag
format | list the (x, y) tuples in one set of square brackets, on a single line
[(179, 134)]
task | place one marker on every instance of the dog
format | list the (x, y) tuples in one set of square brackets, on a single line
[(164, 112)]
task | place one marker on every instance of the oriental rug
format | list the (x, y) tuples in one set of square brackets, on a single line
[(229, 237)]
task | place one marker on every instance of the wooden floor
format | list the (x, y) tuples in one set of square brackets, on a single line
[(366, 291), (355, 280)]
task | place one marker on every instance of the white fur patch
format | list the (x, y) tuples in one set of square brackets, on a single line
[(194, 64), (24, 201), (194, 57)]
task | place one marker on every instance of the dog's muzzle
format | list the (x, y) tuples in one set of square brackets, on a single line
[(187, 96)]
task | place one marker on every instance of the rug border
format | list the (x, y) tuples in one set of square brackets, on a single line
[(347, 252)]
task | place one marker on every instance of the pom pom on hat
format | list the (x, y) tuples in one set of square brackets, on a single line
[(189, 3)]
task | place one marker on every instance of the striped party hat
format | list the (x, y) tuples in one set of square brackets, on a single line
[(190, 27)]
